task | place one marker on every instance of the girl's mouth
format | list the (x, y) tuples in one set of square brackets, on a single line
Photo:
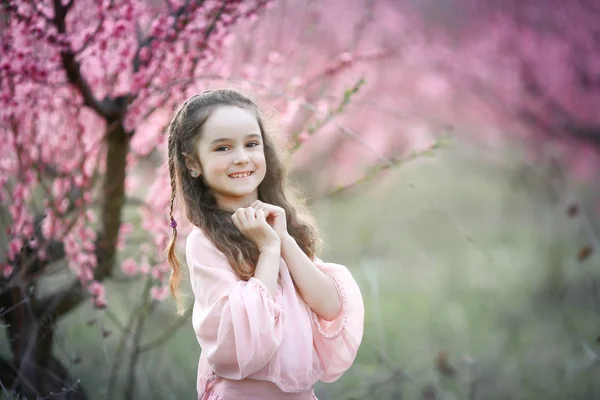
[(241, 175)]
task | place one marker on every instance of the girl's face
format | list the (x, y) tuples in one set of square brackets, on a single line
[(232, 157)]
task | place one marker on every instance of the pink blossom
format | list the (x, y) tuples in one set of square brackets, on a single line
[(14, 247), (96, 289), (7, 270), (159, 293), (274, 57), (129, 267), (303, 137), (144, 265), (157, 274), (99, 301), (91, 215), (249, 71), (125, 228), (345, 57)]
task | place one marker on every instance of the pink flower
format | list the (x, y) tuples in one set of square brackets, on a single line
[(96, 289), (99, 302), (144, 265), (157, 274), (303, 137), (345, 57), (248, 71), (85, 275), (125, 228), (6, 270), (296, 81), (91, 215), (274, 57), (129, 267), (14, 247), (159, 293), (98, 293)]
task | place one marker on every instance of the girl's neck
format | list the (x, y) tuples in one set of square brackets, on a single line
[(232, 204)]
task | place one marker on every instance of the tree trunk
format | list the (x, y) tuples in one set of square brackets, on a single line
[(33, 372), (31, 321)]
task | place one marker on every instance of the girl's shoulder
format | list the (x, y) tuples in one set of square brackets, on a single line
[(198, 238), (199, 244)]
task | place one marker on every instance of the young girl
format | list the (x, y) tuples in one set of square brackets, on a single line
[(271, 318)]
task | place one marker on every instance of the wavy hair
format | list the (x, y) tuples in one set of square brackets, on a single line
[(199, 201)]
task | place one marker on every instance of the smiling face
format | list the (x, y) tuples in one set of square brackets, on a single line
[(232, 159)]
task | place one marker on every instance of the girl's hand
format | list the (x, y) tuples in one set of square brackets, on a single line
[(275, 217), (252, 223)]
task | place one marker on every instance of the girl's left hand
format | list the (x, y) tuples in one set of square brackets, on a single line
[(275, 217)]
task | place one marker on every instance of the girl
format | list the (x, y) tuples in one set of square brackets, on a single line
[(271, 318)]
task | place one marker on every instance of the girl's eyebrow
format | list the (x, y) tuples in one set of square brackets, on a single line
[(250, 136)]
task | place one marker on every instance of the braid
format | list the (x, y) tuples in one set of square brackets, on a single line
[(175, 279)]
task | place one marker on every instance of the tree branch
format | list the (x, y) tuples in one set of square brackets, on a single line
[(166, 335), (106, 108)]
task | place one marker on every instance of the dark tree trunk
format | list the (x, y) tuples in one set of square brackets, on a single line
[(30, 320)]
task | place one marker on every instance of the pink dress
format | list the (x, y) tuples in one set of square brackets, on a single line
[(255, 345)]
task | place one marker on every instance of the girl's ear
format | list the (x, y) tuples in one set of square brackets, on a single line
[(192, 165)]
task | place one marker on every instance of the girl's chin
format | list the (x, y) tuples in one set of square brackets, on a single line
[(239, 193)]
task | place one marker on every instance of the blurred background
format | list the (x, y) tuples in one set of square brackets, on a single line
[(449, 151)]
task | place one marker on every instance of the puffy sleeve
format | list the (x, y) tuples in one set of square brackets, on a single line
[(238, 324), (337, 341)]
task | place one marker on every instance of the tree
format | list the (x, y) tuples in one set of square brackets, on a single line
[(77, 80), (86, 89)]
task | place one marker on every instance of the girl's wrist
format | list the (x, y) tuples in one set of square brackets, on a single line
[(287, 238), (272, 247)]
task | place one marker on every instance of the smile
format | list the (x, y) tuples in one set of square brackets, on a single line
[(241, 175)]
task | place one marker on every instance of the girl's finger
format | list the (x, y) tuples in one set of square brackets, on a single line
[(236, 220), (260, 215), (250, 214), (241, 214), (269, 209), (259, 205)]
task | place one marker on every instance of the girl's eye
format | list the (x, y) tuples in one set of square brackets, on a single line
[(253, 144), (221, 148)]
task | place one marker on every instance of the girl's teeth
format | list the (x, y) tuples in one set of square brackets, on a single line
[(240, 175)]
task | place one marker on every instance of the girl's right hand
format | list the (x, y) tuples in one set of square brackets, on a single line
[(253, 224)]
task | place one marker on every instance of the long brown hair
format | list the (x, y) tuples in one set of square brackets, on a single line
[(199, 202)]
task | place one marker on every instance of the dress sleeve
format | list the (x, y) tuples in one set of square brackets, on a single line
[(337, 341), (238, 324)]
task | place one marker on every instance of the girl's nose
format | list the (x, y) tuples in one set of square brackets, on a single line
[(241, 158)]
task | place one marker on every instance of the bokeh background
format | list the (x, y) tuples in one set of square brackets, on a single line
[(449, 152)]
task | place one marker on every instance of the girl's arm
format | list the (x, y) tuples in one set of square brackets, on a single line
[(238, 323), (253, 225), (267, 268), (317, 288)]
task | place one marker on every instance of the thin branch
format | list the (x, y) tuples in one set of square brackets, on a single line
[(91, 38), (107, 108), (348, 95), (113, 317), (386, 165), (137, 336), (166, 335), (119, 354)]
